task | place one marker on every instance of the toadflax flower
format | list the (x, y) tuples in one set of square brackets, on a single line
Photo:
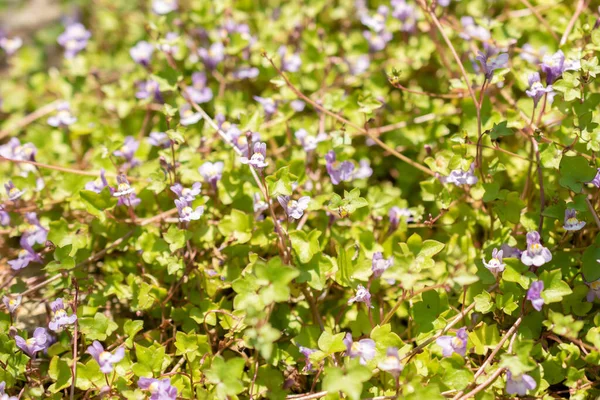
[(555, 64), (364, 170), (495, 265), (490, 62), (212, 172), (396, 213), (105, 359), (338, 172), (460, 177), (594, 290), (536, 90), (473, 31), (375, 22), (98, 184), (596, 180), (11, 45), (362, 296), (13, 192), (405, 13), (187, 116), (391, 362), (379, 264), (148, 89), (534, 294), (309, 142), (63, 116), (536, 254), (187, 194), (306, 352), (519, 384), (456, 344), (35, 343), (124, 192), (26, 255), (74, 39), (11, 303), (257, 160), (199, 93), (294, 208), (127, 151), (34, 232), (3, 395), (186, 212), (297, 105), (159, 139), (377, 40), (4, 216), (364, 348), (571, 221), (141, 53), (213, 55), (259, 204), (290, 62), (159, 389), (162, 7), (60, 317), (269, 105), (245, 73), (510, 251), (168, 44)]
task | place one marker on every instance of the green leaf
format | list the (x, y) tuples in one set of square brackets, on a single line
[(226, 376), (60, 372), (349, 382), (329, 343), (305, 245), (501, 130), (175, 237), (574, 172), (97, 328), (554, 288)]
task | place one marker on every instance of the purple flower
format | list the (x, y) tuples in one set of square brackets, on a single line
[(11, 45), (11, 303), (531, 55), (74, 39), (309, 142), (490, 63), (37, 342), (375, 22), (123, 188), (554, 65), (162, 7), (519, 384), (306, 352), (405, 13), (297, 105), (168, 45), (379, 264), (364, 170), (60, 317), (186, 212), (148, 89), (34, 233), (187, 194), (364, 348), (13, 192), (199, 93), (396, 213), (338, 172), (269, 105), (142, 53), (159, 139), (534, 294), (213, 55), (187, 116), (359, 64), (105, 359), (460, 177), (571, 221), (245, 73), (4, 216), (159, 389), (25, 256), (536, 254), (495, 265), (294, 209), (457, 344), (594, 290), (127, 151), (536, 90), (377, 41), (596, 180), (63, 116), (259, 204), (290, 62), (3, 395), (258, 157), (98, 184), (362, 296), (212, 172), (473, 31), (391, 362), (510, 252)]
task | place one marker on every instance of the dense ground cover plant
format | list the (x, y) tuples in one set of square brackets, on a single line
[(316, 199)]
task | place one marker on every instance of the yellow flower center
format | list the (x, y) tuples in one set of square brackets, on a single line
[(572, 221), (153, 387), (104, 356), (595, 285), (30, 341)]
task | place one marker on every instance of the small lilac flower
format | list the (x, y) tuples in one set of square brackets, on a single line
[(473, 31), (258, 157), (596, 180), (60, 317), (25, 256), (531, 55), (259, 204), (536, 254), (379, 264), (457, 344), (159, 389), (63, 116), (11, 303), (212, 172), (405, 13), (199, 92), (396, 213), (519, 384), (162, 7), (460, 177), (534, 294), (364, 348), (213, 55), (571, 221), (594, 290), (375, 22), (536, 90), (290, 62), (297, 105), (490, 63), (554, 65), (362, 296), (186, 212), (15, 151), (159, 139), (11, 45), (127, 151), (148, 89), (306, 352), (510, 252), (37, 342), (294, 209), (338, 172), (391, 362), (309, 142), (269, 105), (4, 216), (245, 73), (105, 359), (495, 265), (13, 192), (187, 116), (98, 184), (141, 53), (34, 233), (3, 395), (187, 194), (443, 3), (358, 65), (74, 39), (123, 188), (364, 170), (168, 45), (377, 41)]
